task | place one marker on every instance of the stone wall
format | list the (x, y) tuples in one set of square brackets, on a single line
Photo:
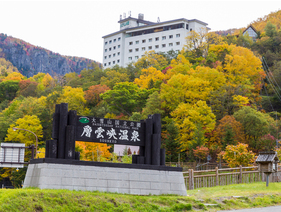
[(107, 179)]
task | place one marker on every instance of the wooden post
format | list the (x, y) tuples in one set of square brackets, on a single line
[(156, 143), (148, 136), (53, 149), (156, 139), (192, 179), (217, 176), (162, 157), (56, 123), (62, 129), (240, 174), (70, 142), (47, 147)]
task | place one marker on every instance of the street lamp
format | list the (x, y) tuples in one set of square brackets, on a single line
[(15, 128)]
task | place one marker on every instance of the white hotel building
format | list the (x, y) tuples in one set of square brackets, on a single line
[(136, 36)]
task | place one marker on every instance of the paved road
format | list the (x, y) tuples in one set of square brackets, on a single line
[(267, 209)]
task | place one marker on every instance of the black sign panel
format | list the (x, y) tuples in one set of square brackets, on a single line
[(109, 131)]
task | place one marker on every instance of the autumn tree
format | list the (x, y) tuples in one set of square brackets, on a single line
[(229, 132), (28, 122), (91, 151), (151, 59), (187, 116), (184, 89), (149, 77), (238, 155), (8, 89), (92, 95), (27, 88), (113, 77)]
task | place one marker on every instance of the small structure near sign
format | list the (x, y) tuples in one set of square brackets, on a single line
[(268, 163), (12, 155)]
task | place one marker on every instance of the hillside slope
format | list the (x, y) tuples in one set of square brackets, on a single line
[(30, 59)]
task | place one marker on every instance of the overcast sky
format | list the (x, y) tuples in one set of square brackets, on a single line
[(75, 28)]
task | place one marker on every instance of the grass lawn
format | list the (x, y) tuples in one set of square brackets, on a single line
[(203, 199)]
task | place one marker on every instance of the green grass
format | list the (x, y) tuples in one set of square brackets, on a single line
[(218, 198)]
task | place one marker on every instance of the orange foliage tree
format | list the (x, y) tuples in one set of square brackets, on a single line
[(92, 95), (201, 152), (93, 151), (229, 131)]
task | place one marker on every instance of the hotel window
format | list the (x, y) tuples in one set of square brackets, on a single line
[(105, 64), (104, 57), (150, 47), (143, 48), (109, 56), (114, 40), (178, 35), (130, 50), (170, 36), (190, 30), (114, 47), (137, 42), (118, 61), (130, 43), (136, 57), (157, 39), (186, 26), (110, 41), (143, 41), (163, 45), (114, 55), (119, 39), (170, 44), (137, 49), (129, 58), (118, 46), (109, 63), (177, 43), (118, 53), (105, 50), (105, 43), (109, 49), (113, 62), (163, 37), (157, 46), (150, 40)]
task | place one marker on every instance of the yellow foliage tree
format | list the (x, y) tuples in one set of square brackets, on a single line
[(188, 116), (47, 81), (147, 76), (238, 155), (14, 76), (184, 88), (28, 122), (151, 59)]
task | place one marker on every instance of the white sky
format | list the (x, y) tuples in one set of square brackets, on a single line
[(75, 28)]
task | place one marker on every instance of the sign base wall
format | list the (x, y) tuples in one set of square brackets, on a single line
[(107, 179)]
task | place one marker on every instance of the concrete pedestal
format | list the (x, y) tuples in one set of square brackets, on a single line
[(127, 179)]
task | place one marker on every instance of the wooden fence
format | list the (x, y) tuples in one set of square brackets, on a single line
[(215, 177)]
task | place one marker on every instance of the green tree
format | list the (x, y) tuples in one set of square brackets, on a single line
[(255, 124), (126, 98), (153, 105), (8, 90)]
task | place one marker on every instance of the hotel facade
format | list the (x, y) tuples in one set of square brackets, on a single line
[(136, 36)]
